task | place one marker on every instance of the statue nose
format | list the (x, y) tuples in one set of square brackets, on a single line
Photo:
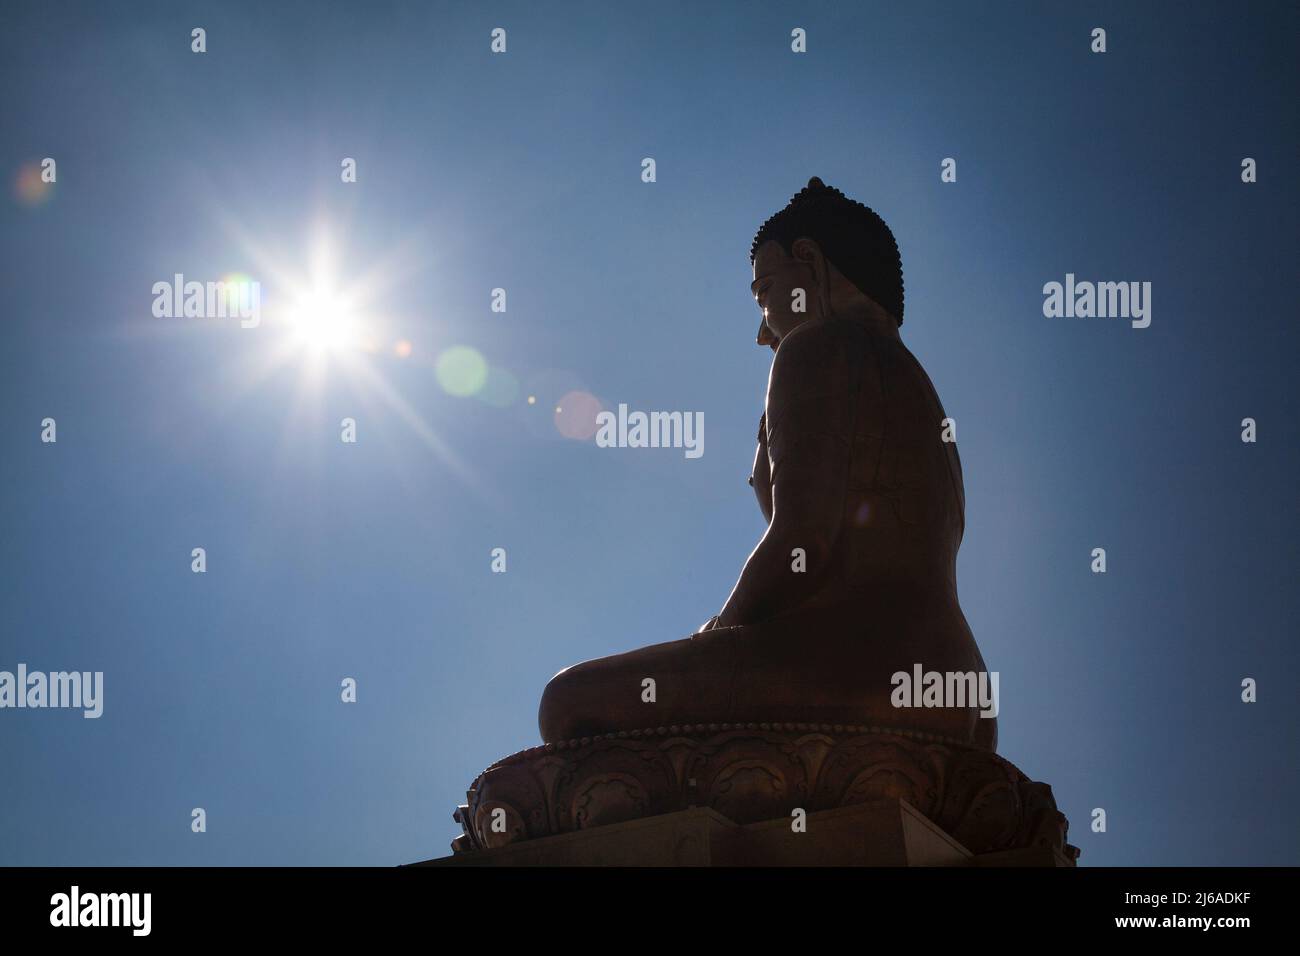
[(765, 336)]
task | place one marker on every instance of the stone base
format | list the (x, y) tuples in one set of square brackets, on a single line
[(884, 833), (700, 794)]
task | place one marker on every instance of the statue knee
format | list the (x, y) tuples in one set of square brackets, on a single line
[(596, 697), (677, 682), (554, 714), (580, 701)]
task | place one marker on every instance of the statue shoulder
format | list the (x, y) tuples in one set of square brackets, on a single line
[(827, 351)]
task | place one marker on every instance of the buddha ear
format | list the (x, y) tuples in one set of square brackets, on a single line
[(807, 252), (805, 249)]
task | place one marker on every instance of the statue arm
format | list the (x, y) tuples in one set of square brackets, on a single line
[(811, 403), (760, 478)]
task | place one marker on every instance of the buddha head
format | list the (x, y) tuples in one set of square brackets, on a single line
[(837, 251)]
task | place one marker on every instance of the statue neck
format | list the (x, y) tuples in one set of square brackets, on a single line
[(863, 310)]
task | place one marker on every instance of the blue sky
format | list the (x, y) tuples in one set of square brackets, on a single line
[(522, 171)]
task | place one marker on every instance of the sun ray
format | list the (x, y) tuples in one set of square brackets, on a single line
[(322, 322)]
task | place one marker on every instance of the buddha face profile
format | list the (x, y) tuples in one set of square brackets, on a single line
[(800, 284), (778, 279)]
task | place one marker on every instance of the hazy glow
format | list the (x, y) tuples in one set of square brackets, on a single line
[(500, 389)]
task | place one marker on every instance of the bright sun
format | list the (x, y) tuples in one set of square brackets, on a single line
[(322, 321), (329, 322)]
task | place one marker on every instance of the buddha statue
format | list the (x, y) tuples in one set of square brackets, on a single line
[(854, 579)]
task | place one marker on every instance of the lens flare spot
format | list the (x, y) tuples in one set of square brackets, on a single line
[(575, 415), (402, 349), (461, 371), (29, 188)]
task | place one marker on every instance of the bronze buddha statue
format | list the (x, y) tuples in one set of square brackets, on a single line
[(855, 577)]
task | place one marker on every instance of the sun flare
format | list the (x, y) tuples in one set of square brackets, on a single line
[(323, 321)]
